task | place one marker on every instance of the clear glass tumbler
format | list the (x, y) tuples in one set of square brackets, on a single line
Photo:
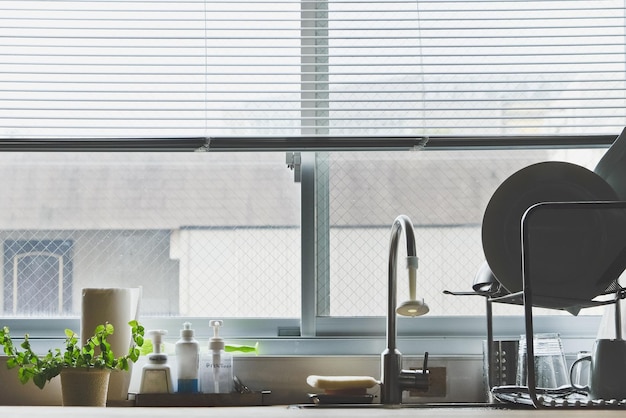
[(550, 366)]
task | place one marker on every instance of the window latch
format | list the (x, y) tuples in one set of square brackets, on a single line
[(294, 162)]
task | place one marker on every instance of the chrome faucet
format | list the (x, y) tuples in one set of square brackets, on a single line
[(394, 380)]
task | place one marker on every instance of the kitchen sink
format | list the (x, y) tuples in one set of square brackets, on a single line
[(466, 405)]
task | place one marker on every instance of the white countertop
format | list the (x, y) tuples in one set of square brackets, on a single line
[(284, 411)]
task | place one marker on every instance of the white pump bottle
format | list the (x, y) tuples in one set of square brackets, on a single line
[(156, 376), (217, 366)]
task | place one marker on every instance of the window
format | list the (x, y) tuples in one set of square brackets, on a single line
[(485, 87), (203, 234), (445, 194), (37, 277)]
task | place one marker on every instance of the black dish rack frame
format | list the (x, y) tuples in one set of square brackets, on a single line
[(530, 395)]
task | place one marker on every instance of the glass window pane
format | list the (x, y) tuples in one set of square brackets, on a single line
[(445, 194), (203, 234)]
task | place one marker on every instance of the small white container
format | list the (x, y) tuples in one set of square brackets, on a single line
[(188, 360), (156, 376)]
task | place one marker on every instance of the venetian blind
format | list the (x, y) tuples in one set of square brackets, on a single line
[(240, 68)]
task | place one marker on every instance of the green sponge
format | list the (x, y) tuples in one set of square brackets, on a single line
[(231, 348)]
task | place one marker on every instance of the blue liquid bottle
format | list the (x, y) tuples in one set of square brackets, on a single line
[(188, 360)]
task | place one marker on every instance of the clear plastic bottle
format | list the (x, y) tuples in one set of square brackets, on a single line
[(216, 368), (187, 360)]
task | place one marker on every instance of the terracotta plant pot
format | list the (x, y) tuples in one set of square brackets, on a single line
[(84, 387)]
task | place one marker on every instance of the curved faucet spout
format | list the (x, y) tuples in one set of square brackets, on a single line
[(401, 224), (391, 360)]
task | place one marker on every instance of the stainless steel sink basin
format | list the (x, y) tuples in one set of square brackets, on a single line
[(466, 405)]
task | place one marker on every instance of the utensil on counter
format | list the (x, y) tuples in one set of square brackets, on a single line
[(485, 283), (239, 386), (499, 363)]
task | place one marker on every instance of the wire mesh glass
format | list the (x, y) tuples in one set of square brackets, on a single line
[(444, 193), (204, 235)]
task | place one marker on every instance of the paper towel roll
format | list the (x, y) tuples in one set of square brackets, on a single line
[(117, 306)]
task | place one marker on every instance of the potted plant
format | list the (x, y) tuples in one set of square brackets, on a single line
[(93, 361)]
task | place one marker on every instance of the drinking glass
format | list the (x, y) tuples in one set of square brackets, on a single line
[(550, 366)]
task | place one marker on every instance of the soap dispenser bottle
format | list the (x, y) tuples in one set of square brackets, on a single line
[(155, 375), (187, 360), (217, 366)]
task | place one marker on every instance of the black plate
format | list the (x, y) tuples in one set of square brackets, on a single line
[(573, 274)]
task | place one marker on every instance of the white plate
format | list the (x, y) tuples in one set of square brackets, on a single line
[(501, 230)]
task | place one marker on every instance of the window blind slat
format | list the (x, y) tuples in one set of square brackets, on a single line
[(100, 69)]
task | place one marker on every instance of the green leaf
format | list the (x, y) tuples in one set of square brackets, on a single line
[(39, 380), (22, 375), (134, 354), (123, 363)]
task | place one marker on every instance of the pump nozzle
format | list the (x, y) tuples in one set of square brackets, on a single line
[(216, 343), (216, 324), (186, 332), (157, 341)]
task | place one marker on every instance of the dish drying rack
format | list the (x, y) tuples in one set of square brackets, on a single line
[(530, 395)]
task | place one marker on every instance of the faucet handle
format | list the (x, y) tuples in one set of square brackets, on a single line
[(416, 379)]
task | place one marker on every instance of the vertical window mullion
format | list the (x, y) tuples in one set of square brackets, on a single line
[(315, 227), (322, 193), (308, 247)]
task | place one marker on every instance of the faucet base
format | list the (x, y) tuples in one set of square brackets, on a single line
[(390, 391)]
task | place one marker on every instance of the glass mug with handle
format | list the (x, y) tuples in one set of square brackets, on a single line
[(607, 370), (579, 376)]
